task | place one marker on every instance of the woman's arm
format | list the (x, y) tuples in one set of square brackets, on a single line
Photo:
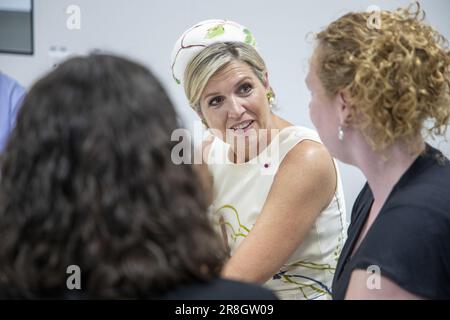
[(303, 186), (365, 285)]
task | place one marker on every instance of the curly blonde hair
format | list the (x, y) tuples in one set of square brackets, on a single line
[(396, 77)]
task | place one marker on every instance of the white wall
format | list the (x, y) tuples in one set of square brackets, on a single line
[(147, 30)]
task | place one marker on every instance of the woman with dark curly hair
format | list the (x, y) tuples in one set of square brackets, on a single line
[(88, 181), (373, 89)]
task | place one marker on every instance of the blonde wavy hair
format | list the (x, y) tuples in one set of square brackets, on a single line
[(396, 77), (215, 58)]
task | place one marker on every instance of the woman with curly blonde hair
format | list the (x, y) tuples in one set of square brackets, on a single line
[(376, 91)]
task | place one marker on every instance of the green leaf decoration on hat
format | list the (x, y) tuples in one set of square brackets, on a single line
[(249, 39), (215, 31)]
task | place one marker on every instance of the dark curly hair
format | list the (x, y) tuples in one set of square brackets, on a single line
[(87, 179)]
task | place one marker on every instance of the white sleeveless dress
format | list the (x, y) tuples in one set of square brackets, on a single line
[(240, 191)]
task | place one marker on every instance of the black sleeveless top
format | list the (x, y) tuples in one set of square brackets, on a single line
[(410, 238)]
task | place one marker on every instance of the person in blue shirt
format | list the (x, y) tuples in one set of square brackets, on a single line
[(11, 94)]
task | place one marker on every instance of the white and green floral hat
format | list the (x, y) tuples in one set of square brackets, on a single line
[(201, 35)]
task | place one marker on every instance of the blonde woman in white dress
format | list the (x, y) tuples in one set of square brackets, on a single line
[(278, 199)]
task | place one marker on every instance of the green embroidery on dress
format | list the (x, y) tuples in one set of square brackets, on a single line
[(302, 286), (290, 273), (249, 39), (242, 231), (215, 31), (311, 265)]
